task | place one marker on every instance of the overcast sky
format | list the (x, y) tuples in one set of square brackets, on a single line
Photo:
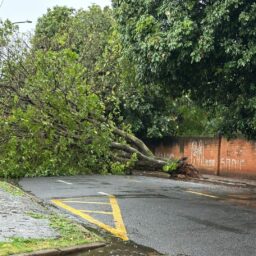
[(20, 10)]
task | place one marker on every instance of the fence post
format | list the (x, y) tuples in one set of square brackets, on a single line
[(219, 154)]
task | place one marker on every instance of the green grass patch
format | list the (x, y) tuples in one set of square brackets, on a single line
[(11, 189), (36, 215), (70, 234)]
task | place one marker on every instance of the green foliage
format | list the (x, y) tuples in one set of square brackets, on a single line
[(170, 166), (193, 120), (93, 35), (6, 30), (51, 135), (52, 29), (118, 168), (146, 108), (84, 32), (202, 48), (89, 33)]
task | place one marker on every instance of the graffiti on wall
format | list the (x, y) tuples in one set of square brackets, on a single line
[(236, 156), (234, 159), (198, 155), (232, 164)]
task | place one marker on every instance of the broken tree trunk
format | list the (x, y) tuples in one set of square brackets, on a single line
[(146, 159)]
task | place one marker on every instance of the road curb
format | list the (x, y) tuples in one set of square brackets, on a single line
[(215, 180), (229, 183), (64, 251)]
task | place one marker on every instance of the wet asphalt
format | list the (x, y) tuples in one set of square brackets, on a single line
[(172, 217)]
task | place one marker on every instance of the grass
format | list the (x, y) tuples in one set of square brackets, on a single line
[(70, 234), (11, 189)]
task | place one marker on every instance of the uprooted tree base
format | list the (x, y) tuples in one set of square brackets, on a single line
[(146, 159)]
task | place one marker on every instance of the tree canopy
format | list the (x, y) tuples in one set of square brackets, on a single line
[(205, 48)]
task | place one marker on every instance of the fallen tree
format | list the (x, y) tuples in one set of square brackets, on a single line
[(52, 122)]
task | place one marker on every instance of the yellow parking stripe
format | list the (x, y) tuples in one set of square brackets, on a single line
[(100, 212), (201, 194), (118, 231), (117, 215)]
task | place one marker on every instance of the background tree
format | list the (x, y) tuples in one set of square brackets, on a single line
[(142, 107), (204, 48)]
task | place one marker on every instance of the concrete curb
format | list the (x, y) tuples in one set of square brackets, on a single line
[(64, 251), (221, 183)]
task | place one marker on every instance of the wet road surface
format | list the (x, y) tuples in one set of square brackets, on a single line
[(173, 217)]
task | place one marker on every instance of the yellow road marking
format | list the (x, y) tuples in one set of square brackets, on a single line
[(201, 194), (118, 231), (100, 212), (117, 215), (82, 202)]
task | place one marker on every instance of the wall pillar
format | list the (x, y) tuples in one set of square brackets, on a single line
[(219, 154)]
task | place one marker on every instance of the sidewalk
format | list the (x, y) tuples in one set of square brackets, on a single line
[(228, 180), (15, 210)]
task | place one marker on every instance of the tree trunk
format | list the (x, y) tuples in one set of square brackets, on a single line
[(146, 160), (142, 158)]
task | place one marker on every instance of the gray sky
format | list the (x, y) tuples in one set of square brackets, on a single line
[(20, 10)]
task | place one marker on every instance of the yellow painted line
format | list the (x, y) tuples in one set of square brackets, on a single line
[(121, 233), (100, 212), (82, 202), (201, 194), (117, 216)]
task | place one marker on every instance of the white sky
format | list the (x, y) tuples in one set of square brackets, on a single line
[(20, 10)]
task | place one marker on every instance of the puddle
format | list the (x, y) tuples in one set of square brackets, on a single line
[(119, 248)]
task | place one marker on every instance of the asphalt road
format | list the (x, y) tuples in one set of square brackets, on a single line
[(173, 217)]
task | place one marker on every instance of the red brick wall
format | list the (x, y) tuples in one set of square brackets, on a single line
[(238, 157), (235, 158)]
